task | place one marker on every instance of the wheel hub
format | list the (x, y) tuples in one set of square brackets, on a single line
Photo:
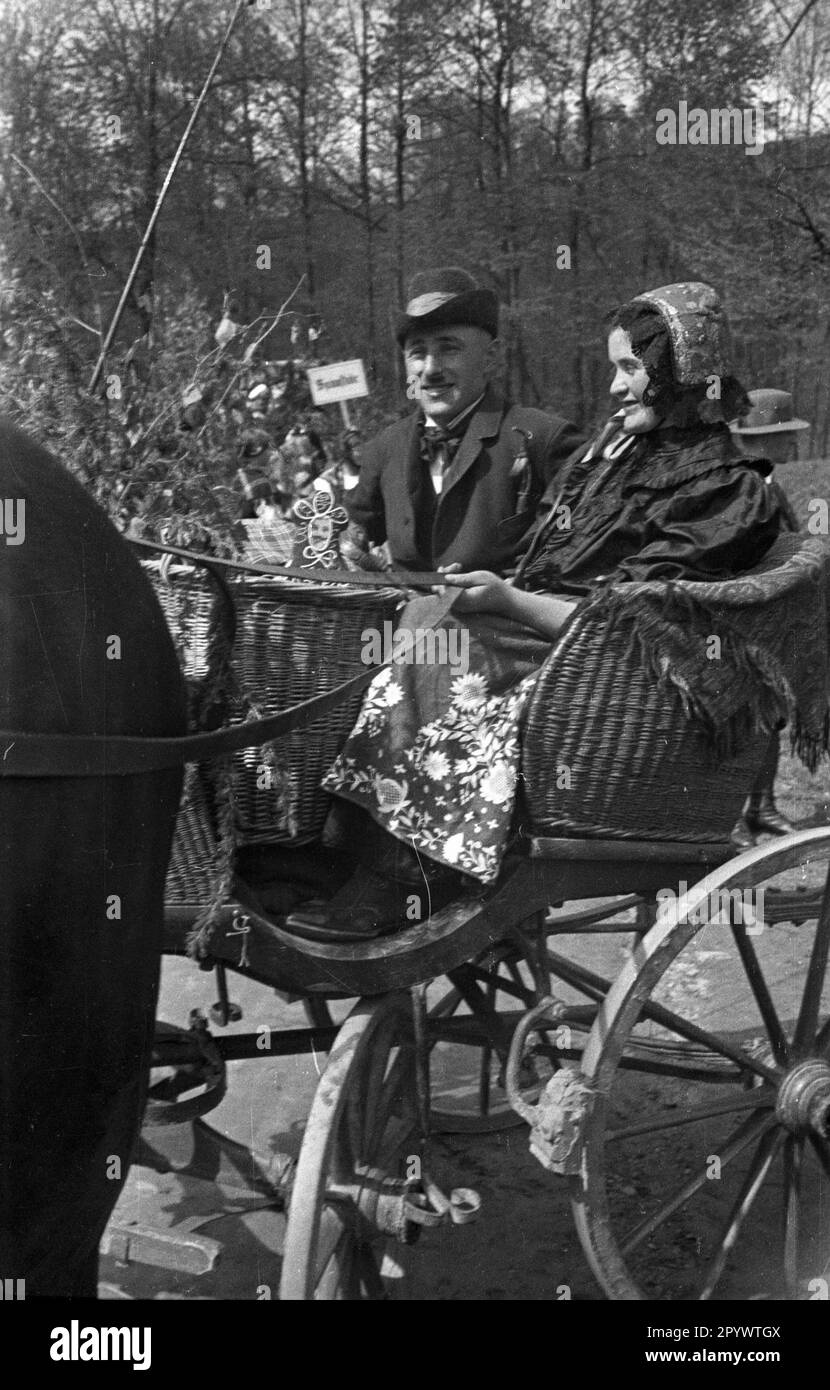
[(377, 1204), (803, 1105)]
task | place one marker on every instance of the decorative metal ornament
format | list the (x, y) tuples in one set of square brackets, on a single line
[(323, 519)]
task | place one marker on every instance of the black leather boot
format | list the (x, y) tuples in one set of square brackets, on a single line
[(371, 905), (741, 835), (397, 888), (762, 814)]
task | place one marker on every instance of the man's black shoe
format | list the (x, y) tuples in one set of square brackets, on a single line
[(371, 905), (316, 921)]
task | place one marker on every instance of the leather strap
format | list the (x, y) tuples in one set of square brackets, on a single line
[(93, 755), (361, 579)]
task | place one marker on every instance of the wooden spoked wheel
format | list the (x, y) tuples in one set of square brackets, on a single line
[(347, 1211), (714, 1181)]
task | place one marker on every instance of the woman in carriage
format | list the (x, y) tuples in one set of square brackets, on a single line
[(428, 786)]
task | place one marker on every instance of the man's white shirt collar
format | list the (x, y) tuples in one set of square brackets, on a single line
[(451, 424), (436, 471)]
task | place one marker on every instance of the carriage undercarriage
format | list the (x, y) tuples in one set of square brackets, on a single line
[(690, 1123), (577, 1054)]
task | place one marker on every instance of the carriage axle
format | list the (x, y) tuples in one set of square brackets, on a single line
[(804, 1099)]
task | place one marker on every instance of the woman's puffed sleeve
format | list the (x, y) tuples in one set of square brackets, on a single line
[(712, 527)]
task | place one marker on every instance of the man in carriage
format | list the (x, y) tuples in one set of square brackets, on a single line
[(460, 479)]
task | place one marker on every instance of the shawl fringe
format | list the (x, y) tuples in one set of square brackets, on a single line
[(667, 632)]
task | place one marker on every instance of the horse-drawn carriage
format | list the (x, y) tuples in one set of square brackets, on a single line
[(606, 1070)]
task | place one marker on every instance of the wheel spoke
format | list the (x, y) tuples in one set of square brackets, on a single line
[(477, 1001), (317, 1012), (793, 1153), (822, 1151), (349, 1144), (377, 1065), (491, 982), (750, 1187), (823, 1038), (523, 991), (758, 1100), (370, 1273), (750, 1130), (447, 1005), (805, 1028), (484, 1079), (342, 1284), (390, 1151), (684, 1028), (498, 980), (486, 1057), (332, 1236), (394, 1085), (596, 987), (763, 998)]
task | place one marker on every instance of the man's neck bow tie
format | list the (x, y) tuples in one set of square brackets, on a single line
[(441, 444)]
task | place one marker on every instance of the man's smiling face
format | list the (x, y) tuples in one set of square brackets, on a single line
[(450, 368)]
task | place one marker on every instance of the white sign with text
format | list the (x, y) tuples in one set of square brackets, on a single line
[(337, 381)]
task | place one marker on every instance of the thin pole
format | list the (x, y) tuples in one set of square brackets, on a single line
[(111, 331), (801, 17)]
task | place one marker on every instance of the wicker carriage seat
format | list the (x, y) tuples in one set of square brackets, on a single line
[(652, 714)]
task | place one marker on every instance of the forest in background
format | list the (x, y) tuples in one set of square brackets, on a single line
[(347, 144)]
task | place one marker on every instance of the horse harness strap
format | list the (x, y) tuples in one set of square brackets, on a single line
[(361, 579), (94, 755)]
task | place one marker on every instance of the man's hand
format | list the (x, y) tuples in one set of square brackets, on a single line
[(357, 553), (484, 591)]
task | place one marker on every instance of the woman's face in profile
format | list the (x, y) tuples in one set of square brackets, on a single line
[(629, 384)]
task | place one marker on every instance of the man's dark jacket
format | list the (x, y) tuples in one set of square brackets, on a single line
[(490, 494)]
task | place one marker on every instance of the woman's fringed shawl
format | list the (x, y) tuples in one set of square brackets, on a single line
[(745, 655)]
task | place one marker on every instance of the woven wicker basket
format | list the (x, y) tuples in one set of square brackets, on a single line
[(608, 752), (295, 641), (196, 609), (193, 874), (188, 600), (292, 641)]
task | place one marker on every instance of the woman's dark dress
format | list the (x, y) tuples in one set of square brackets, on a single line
[(434, 756)]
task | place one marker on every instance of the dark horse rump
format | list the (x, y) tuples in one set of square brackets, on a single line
[(84, 651)]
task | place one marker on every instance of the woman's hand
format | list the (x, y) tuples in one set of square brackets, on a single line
[(483, 591), (486, 593)]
